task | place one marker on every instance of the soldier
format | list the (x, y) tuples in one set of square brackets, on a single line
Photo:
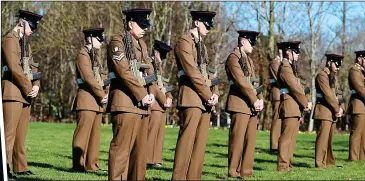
[(292, 102), (195, 98), (357, 108), (326, 111), (88, 103), (275, 102), (156, 126), (243, 104), (19, 87), (129, 98)]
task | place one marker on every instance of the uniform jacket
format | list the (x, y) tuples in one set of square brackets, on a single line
[(327, 106), (241, 95), (356, 82), (90, 93), (126, 92), (193, 90), (15, 85), (293, 103)]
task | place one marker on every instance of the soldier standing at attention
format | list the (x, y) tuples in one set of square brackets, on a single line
[(129, 98), (156, 126), (357, 108), (88, 104), (275, 102), (243, 104), (195, 99), (292, 103), (326, 111), (19, 87)]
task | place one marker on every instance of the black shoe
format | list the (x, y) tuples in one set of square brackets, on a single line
[(274, 151), (158, 165), (25, 173), (82, 170), (11, 176)]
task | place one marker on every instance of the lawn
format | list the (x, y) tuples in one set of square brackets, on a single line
[(49, 156)]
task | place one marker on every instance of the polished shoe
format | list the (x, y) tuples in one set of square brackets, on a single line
[(158, 165), (25, 173), (274, 151), (81, 170), (11, 176)]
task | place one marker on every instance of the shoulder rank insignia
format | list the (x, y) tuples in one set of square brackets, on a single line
[(118, 57)]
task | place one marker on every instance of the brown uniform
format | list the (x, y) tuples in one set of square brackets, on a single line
[(290, 109), (86, 139), (275, 102), (16, 106), (194, 115), (357, 111), (324, 112), (127, 154), (156, 126), (241, 97)]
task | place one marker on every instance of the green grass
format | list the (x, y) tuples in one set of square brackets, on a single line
[(49, 156)]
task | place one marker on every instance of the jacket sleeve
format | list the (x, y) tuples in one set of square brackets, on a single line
[(85, 69), (184, 53), (240, 80), (13, 62), (123, 71)]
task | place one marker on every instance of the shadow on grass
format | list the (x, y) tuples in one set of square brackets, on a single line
[(217, 145), (259, 160), (156, 178), (303, 156), (166, 169), (216, 153), (265, 150), (62, 169), (341, 150), (106, 152), (216, 165), (168, 160), (170, 171), (19, 178), (301, 164)]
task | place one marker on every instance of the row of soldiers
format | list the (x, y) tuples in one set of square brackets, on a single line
[(136, 95)]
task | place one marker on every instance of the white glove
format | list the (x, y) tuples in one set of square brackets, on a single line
[(34, 92)]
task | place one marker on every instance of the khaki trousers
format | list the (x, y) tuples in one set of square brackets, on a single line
[(275, 126), (16, 118), (86, 141), (357, 138), (127, 153), (242, 140), (287, 141), (191, 144), (155, 138), (324, 150)]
